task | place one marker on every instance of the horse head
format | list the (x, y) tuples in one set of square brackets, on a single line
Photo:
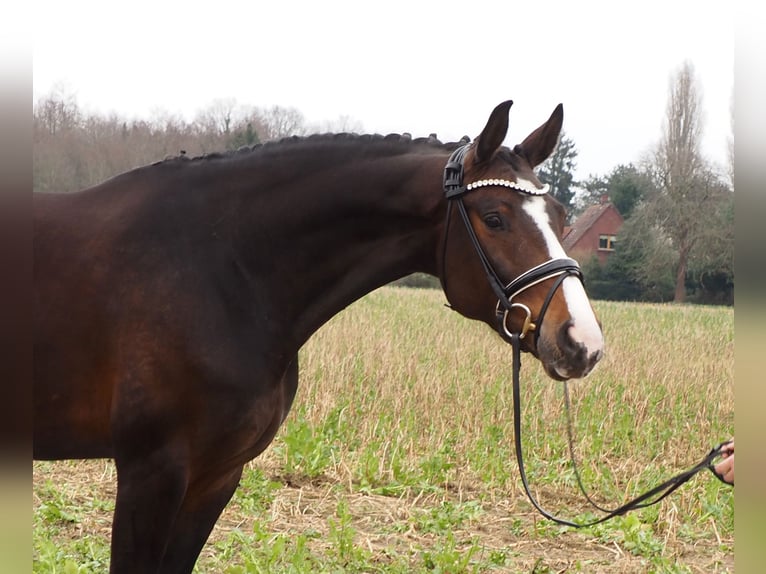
[(502, 261)]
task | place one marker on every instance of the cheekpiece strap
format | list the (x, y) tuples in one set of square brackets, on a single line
[(453, 173)]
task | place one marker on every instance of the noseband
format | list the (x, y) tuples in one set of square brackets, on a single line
[(454, 190)]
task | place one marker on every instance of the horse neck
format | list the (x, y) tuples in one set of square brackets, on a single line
[(335, 226)]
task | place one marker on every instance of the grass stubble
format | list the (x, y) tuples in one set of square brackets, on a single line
[(398, 454)]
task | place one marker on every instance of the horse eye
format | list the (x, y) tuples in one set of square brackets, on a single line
[(493, 221)]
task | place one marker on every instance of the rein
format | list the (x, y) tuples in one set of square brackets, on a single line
[(644, 500), (561, 268)]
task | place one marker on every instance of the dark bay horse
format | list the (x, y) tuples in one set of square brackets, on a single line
[(171, 301)]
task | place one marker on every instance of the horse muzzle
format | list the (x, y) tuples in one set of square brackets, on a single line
[(566, 355), (568, 348)]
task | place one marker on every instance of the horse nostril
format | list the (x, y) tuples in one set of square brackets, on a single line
[(567, 340), (578, 352), (591, 341), (568, 354)]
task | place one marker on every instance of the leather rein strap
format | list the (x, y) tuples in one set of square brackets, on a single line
[(649, 498), (454, 190)]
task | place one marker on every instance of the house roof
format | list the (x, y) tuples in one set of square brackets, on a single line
[(584, 223)]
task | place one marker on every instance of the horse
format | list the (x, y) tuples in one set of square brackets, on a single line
[(170, 302)]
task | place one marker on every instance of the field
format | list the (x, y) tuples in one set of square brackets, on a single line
[(398, 454)]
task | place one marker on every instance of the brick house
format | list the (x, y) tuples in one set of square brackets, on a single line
[(594, 232)]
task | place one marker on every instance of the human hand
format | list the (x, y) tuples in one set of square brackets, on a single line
[(725, 468)]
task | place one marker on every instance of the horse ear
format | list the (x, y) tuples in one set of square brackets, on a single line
[(540, 143), (493, 134)]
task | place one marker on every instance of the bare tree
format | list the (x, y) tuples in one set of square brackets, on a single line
[(280, 122), (341, 124), (678, 156), (56, 112), (56, 124), (219, 117), (689, 191)]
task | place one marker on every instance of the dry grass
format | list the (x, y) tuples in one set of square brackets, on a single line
[(408, 409)]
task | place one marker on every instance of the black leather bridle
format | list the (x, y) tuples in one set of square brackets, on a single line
[(454, 190), (560, 268)]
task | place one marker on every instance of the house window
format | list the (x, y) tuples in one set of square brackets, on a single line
[(607, 242)]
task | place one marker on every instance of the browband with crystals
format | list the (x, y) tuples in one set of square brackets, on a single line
[(525, 187), (453, 179)]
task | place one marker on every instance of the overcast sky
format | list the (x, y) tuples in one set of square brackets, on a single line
[(397, 66)]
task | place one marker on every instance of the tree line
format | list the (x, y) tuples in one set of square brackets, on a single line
[(74, 149), (676, 243)]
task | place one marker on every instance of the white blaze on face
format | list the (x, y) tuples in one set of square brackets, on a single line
[(585, 329)]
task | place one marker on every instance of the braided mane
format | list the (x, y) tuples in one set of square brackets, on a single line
[(394, 139)]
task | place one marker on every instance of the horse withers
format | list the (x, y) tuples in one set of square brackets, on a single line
[(170, 302)]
